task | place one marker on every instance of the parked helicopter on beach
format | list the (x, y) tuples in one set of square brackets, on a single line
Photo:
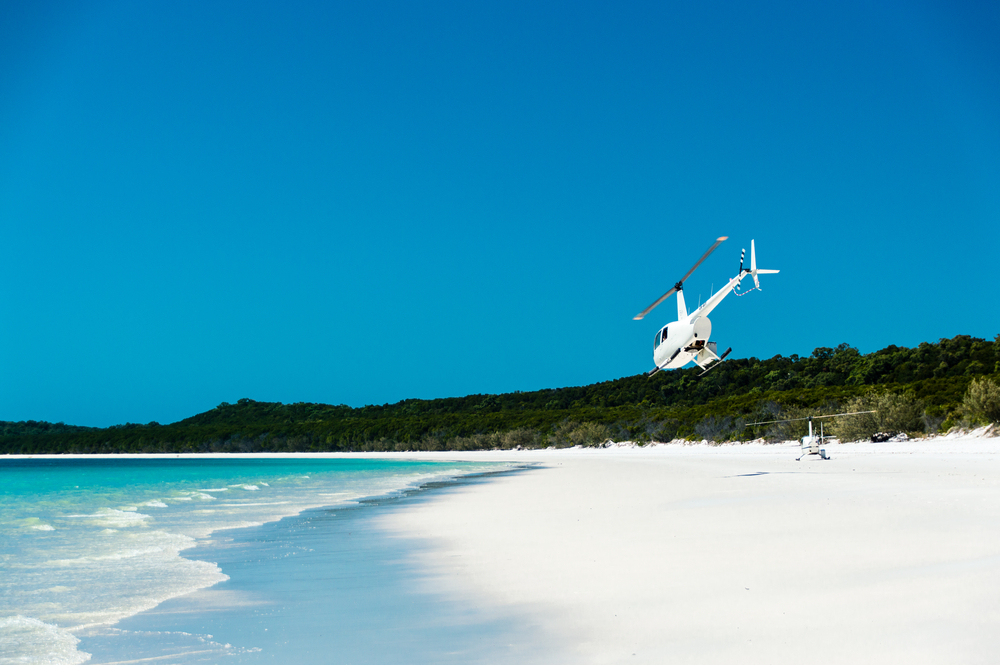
[(686, 339)]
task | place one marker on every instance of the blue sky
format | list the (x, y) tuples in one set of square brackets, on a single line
[(364, 202)]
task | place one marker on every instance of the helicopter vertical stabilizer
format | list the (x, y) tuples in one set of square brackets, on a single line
[(754, 270), (682, 311)]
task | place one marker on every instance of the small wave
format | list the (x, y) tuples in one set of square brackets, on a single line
[(238, 525), (129, 554), (27, 640), (247, 487), (116, 518), (240, 505), (215, 489), (44, 527), (114, 556), (120, 518), (155, 504)]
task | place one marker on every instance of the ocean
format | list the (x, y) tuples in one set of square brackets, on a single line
[(86, 543)]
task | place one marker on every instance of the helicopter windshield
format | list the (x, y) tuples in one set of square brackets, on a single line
[(660, 337)]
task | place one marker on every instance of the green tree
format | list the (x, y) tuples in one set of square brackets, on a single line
[(891, 414), (579, 434), (982, 401)]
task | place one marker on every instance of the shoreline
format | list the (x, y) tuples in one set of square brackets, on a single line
[(262, 591), (715, 553), (169, 546), (979, 440)]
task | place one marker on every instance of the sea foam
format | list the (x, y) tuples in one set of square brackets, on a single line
[(27, 640)]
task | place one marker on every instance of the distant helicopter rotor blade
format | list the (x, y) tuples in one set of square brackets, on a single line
[(792, 420), (680, 284)]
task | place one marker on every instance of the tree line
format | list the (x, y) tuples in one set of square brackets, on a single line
[(932, 381)]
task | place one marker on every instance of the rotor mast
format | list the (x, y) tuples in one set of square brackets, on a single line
[(679, 287)]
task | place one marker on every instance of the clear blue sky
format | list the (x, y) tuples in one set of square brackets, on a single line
[(361, 202)]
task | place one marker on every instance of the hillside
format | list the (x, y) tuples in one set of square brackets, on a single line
[(932, 376)]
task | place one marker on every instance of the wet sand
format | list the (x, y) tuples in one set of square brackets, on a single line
[(326, 586)]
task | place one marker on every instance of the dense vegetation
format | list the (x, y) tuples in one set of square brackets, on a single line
[(929, 384)]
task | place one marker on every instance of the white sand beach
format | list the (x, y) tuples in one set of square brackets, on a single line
[(887, 553)]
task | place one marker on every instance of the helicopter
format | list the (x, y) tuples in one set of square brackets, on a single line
[(686, 339), (811, 443)]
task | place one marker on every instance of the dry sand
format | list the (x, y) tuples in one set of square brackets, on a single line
[(887, 553)]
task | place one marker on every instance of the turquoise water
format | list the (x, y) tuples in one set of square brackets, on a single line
[(85, 543)]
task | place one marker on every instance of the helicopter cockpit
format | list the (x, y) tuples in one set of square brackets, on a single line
[(661, 337)]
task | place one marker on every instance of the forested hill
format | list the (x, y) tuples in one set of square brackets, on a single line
[(673, 403)]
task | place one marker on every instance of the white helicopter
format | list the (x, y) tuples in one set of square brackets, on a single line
[(686, 339)]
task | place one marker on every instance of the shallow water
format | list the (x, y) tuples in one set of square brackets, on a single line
[(85, 543), (325, 586)]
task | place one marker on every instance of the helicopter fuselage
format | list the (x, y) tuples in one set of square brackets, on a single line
[(678, 343), (687, 339)]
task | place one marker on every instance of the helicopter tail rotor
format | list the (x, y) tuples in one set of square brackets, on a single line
[(743, 253), (753, 270)]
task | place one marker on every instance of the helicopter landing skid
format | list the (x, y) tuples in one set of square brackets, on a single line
[(822, 455), (719, 362)]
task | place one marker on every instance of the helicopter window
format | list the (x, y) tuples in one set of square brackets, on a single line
[(661, 337)]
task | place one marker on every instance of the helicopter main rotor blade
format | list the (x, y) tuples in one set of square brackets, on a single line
[(704, 256), (680, 284), (640, 315)]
